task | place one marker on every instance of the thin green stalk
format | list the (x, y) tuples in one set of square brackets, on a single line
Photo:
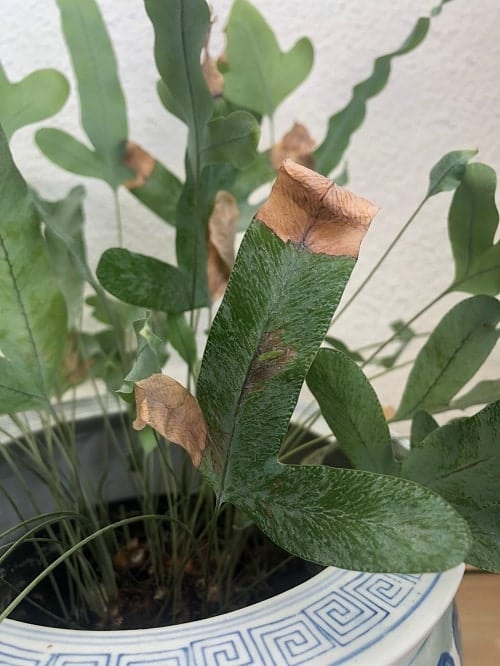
[(295, 434), (235, 543), (384, 256), (272, 130), (406, 325), (40, 521), (64, 556), (373, 345), (305, 447), (42, 609), (212, 544), (118, 218), (68, 491), (386, 371), (171, 492)]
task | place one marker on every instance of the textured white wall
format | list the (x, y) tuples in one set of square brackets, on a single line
[(443, 96)]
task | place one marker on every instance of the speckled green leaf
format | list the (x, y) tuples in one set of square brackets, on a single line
[(259, 75), (351, 408), (454, 352), (274, 315), (33, 313), (357, 520), (472, 226), (265, 309), (461, 462), (39, 95), (144, 281)]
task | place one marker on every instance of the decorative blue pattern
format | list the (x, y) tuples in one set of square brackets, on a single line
[(79, 660), (229, 649), (354, 609), (446, 660), (331, 619), (163, 658), (290, 641), (13, 656)]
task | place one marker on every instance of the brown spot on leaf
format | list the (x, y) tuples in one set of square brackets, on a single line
[(297, 144), (171, 410), (309, 210), (267, 510), (271, 358), (222, 234), (141, 162)]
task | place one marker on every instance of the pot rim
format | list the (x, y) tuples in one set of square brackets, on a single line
[(431, 595)]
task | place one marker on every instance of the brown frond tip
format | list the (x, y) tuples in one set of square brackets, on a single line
[(309, 210)]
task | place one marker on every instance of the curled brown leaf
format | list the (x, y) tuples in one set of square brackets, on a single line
[(141, 163), (171, 410), (222, 227), (309, 210), (297, 144)]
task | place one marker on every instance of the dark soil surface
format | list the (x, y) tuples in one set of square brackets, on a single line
[(261, 571)]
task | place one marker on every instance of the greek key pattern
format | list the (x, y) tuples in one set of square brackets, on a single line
[(347, 613)]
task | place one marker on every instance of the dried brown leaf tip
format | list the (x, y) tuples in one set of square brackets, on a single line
[(171, 410), (311, 211), (141, 163), (213, 77), (222, 234), (75, 366), (297, 144)]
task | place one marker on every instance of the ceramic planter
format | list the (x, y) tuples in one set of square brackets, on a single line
[(337, 617)]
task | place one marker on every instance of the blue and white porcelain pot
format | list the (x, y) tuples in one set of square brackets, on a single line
[(337, 617)]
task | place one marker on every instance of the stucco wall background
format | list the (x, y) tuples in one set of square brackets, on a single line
[(441, 97)]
